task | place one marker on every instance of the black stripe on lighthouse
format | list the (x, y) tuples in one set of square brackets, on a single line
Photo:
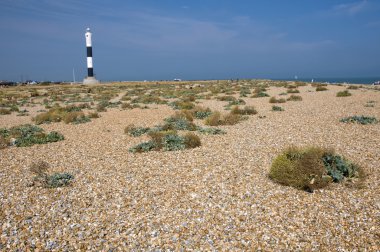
[(89, 51)]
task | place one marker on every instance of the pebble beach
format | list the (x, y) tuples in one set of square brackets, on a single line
[(216, 197)]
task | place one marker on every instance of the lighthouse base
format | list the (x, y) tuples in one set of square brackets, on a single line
[(90, 80)]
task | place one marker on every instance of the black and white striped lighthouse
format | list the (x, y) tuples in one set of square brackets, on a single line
[(90, 79)]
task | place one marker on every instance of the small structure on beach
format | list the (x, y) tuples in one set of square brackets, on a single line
[(90, 79)]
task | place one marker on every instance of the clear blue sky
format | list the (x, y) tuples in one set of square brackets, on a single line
[(190, 39)]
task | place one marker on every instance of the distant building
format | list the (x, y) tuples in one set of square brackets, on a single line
[(177, 79)]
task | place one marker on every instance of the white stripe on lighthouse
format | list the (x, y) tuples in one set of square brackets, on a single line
[(89, 62), (88, 39)]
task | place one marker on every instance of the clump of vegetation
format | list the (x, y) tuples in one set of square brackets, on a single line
[(320, 88), (360, 119), (274, 100), (216, 119), (354, 87), (4, 111), (69, 114), (228, 98), (277, 108), (182, 105), (42, 178), (292, 91), (370, 104), (312, 168), (200, 112), (178, 122), (247, 110), (28, 135), (93, 115), (294, 98), (344, 93), (210, 131), (167, 141), (134, 131), (236, 102), (259, 94), (149, 99)]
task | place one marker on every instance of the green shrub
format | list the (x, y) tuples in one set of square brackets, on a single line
[(236, 102), (294, 98), (359, 119), (149, 99), (102, 106), (292, 91), (277, 108), (28, 135), (354, 87), (260, 94), (274, 100), (343, 93), (339, 168), (200, 112), (49, 181), (143, 147), (311, 168), (167, 141), (320, 88), (173, 142), (210, 131), (182, 105), (177, 122), (134, 131)]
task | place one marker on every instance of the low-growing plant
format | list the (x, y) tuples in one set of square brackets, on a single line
[(93, 115), (360, 119), (4, 111), (200, 112), (354, 87), (192, 140), (178, 122), (214, 119), (277, 108), (311, 168), (321, 88), (229, 98), (134, 131), (28, 135), (210, 131), (247, 110), (40, 168), (294, 98), (260, 94), (182, 105), (236, 102), (292, 91), (344, 93), (69, 114), (167, 141), (274, 100)]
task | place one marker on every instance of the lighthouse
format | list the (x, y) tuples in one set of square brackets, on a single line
[(90, 79)]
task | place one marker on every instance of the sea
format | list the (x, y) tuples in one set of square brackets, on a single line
[(366, 80)]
